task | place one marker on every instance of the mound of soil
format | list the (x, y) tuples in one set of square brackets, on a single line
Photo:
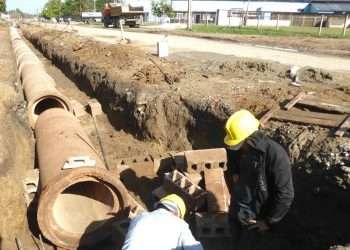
[(308, 74), (16, 150)]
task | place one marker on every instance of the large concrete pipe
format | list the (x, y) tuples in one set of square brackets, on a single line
[(79, 198), (39, 88)]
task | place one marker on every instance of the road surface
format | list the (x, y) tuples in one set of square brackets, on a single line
[(183, 44)]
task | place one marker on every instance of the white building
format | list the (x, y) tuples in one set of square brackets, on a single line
[(220, 11)]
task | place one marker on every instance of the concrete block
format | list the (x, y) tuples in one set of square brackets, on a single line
[(78, 108), (163, 163), (198, 160), (218, 197), (212, 225), (142, 165), (195, 177), (193, 195), (179, 160), (94, 107)]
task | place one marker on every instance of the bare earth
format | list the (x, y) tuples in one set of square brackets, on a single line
[(185, 44)]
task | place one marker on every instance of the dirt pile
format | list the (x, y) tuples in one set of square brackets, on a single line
[(308, 74), (16, 150)]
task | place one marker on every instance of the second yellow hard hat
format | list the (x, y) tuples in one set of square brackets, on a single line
[(239, 126)]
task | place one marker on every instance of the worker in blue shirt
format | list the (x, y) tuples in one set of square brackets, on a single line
[(162, 229)]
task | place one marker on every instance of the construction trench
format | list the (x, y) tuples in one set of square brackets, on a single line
[(115, 128)]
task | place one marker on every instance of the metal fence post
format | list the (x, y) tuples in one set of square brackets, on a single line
[(345, 24), (321, 24)]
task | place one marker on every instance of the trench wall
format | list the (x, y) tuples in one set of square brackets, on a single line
[(149, 112)]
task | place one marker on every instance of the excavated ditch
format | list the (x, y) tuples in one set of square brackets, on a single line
[(146, 104)]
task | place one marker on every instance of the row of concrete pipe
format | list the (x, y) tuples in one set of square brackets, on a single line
[(79, 198)]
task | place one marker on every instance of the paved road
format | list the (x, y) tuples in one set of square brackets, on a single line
[(183, 44)]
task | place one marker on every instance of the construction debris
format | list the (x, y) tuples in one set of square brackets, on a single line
[(317, 117)]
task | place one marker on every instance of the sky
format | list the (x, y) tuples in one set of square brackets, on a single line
[(28, 6)]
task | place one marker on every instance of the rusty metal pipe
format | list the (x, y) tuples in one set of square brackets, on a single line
[(79, 197), (39, 88)]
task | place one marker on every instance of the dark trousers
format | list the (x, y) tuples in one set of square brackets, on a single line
[(244, 238)]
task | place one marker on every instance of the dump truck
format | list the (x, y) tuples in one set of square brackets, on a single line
[(114, 13)]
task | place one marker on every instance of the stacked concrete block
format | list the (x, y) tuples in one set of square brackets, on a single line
[(199, 160), (195, 178), (210, 225), (218, 197), (164, 163), (193, 195)]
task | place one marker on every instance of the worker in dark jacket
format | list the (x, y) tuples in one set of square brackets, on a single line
[(262, 180)]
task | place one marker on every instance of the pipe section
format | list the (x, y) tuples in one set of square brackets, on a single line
[(79, 198), (39, 88)]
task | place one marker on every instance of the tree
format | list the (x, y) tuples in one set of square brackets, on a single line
[(71, 8), (52, 9), (100, 4), (2, 5), (162, 8)]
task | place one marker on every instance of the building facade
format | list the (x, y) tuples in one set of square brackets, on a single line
[(204, 11)]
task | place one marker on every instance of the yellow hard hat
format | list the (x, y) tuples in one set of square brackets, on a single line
[(239, 126), (173, 201)]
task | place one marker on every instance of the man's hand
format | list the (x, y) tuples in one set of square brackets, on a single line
[(260, 224)]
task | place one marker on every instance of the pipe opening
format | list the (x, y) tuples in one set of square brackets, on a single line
[(83, 207), (47, 103)]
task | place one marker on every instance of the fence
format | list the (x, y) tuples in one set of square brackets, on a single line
[(321, 24)]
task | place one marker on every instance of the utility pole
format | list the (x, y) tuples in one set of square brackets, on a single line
[(246, 14), (94, 5), (189, 15), (345, 24)]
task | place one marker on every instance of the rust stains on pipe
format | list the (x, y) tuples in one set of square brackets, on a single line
[(79, 198), (39, 88)]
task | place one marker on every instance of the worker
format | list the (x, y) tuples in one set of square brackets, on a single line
[(162, 229), (262, 180)]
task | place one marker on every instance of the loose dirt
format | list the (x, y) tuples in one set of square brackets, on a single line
[(148, 113), (16, 150)]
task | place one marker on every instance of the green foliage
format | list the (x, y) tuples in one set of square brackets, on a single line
[(2, 5), (294, 31), (71, 8), (162, 8), (52, 9), (100, 4)]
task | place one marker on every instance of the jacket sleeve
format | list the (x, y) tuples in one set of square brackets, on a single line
[(188, 242), (283, 190)]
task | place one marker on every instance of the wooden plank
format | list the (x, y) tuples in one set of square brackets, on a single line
[(327, 105), (294, 101), (263, 120), (306, 117), (343, 127)]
